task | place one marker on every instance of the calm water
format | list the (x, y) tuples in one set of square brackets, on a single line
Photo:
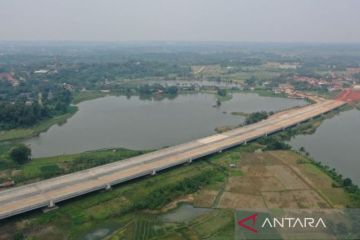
[(184, 213), (98, 234), (144, 124), (336, 143)]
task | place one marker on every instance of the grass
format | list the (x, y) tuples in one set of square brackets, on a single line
[(242, 114), (214, 224), (79, 216), (36, 129), (85, 214), (235, 173), (142, 227), (262, 92), (139, 190), (6, 164), (225, 98), (41, 168), (87, 95), (320, 181), (337, 196)]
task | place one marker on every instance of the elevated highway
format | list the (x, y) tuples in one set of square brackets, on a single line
[(47, 193)]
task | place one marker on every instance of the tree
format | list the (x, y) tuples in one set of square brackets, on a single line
[(20, 154), (50, 170), (256, 117), (172, 90), (221, 92), (19, 236), (218, 103), (274, 144), (250, 81), (347, 182)]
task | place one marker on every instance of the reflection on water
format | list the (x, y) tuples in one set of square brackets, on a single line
[(336, 143), (97, 234), (184, 213), (136, 124)]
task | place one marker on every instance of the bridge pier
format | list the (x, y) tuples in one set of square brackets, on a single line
[(220, 151), (245, 142), (107, 186), (50, 207), (190, 160), (51, 204), (153, 172)]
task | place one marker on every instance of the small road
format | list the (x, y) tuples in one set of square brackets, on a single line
[(48, 192)]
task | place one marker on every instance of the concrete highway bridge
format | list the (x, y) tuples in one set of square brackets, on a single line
[(47, 193)]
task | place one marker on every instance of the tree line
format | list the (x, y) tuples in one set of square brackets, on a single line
[(22, 113)]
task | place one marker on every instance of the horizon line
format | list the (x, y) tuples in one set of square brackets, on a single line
[(180, 42)]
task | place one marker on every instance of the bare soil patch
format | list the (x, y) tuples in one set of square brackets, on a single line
[(287, 177), (309, 199), (239, 200), (285, 199), (276, 179), (205, 198)]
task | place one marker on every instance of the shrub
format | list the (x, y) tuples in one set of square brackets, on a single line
[(50, 171), (20, 154)]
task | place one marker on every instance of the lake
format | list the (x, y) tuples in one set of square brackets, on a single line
[(336, 143), (118, 121)]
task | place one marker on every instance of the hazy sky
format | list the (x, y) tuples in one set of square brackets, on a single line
[(181, 20)]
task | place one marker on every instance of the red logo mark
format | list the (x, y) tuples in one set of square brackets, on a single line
[(251, 217)]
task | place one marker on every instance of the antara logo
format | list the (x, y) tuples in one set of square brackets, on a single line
[(285, 222), (253, 219)]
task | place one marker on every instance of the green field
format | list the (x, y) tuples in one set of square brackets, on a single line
[(80, 216), (133, 210), (87, 95)]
